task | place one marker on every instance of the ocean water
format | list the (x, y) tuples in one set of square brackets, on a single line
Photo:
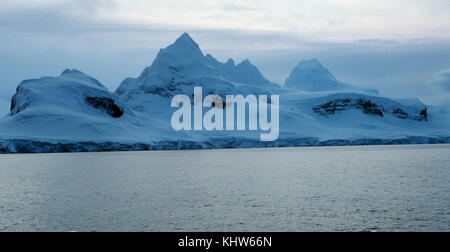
[(378, 188)]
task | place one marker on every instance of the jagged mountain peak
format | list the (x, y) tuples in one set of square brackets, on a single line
[(183, 49), (246, 62), (185, 42), (184, 55), (230, 62), (183, 62), (244, 72), (186, 39)]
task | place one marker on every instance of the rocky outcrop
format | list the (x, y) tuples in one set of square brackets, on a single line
[(106, 105), (16, 105), (368, 107)]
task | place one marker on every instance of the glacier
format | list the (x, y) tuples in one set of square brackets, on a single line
[(74, 112)]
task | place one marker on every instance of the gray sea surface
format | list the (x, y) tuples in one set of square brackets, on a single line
[(375, 188)]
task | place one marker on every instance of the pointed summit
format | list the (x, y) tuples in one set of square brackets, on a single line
[(310, 75), (245, 72), (186, 42), (246, 62), (183, 63), (181, 56), (310, 63), (186, 39), (230, 62)]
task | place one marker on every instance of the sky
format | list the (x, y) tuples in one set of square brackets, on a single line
[(400, 47)]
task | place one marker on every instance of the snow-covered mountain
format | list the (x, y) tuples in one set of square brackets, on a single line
[(312, 76), (181, 67), (75, 112), (70, 106), (244, 72)]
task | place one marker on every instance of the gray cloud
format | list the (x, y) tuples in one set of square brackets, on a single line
[(442, 80), (75, 18), (233, 7), (42, 40), (4, 107), (58, 16)]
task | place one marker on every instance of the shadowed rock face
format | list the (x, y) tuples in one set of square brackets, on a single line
[(16, 106), (367, 107), (14, 109), (106, 105)]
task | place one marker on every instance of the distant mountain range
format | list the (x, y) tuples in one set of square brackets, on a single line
[(74, 112)]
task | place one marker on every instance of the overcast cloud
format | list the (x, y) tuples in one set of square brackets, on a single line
[(396, 46), (442, 80)]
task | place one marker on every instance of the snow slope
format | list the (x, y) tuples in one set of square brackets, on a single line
[(72, 106), (75, 112)]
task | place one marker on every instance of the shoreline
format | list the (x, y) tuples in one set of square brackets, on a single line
[(29, 146)]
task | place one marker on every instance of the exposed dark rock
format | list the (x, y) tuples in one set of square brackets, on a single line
[(107, 105), (367, 107), (400, 113), (176, 69), (167, 91), (17, 107), (424, 114), (164, 92), (13, 103), (332, 107)]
